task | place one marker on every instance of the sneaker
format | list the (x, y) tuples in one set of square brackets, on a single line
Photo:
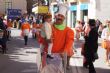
[(49, 56)]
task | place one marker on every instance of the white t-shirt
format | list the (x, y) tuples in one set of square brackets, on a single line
[(46, 31), (26, 32), (105, 34)]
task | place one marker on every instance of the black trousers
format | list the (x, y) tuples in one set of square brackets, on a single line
[(90, 64), (8, 34), (25, 39), (91, 67), (3, 45)]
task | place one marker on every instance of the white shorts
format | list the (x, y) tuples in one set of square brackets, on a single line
[(26, 32), (9, 29)]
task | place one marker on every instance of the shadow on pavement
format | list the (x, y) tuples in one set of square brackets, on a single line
[(10, 65), (19, 58), (17, 43)]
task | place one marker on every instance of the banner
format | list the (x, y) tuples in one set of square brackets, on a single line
[(40, 9), (13, 13)]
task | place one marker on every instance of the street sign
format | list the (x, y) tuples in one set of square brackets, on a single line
[(40, 9), (14, 13)]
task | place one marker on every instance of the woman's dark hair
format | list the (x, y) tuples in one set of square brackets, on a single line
[(92, 22)]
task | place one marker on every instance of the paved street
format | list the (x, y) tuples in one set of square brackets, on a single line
[(20, 58), (77, 60), (26, 59)]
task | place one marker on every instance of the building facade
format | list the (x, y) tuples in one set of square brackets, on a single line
[(85, 9), (103, 10), (78, 10), (12, 4)]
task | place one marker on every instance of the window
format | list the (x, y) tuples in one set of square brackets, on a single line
[(8, 5)]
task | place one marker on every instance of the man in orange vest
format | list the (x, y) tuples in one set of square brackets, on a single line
[(63, 36), (25, 31)]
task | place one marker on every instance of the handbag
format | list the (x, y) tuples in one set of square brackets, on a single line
[(104, 44)]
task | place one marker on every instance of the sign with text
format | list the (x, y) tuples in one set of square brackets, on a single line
[(40, 9), (14, 13)]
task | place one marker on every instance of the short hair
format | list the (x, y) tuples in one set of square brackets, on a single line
[(92, 22), (48, 15)]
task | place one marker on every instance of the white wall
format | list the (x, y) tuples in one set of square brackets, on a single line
[(19, 4), (92, 9), (103, 9), (16, 4), (2, 6)]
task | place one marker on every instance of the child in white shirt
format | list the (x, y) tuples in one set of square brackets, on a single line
[(47, 33)]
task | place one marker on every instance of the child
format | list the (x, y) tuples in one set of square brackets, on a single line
[(46, 33)]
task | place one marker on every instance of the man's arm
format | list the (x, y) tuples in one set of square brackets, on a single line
[(69, 42)]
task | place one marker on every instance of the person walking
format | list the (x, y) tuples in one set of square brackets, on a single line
[(106, 41), (25, 31), (91, 46), (34, 29), (63, 36), (9, 26), (3, 36), (78, 29)]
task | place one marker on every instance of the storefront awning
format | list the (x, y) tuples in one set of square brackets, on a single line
[(73, 8), (84, 6)]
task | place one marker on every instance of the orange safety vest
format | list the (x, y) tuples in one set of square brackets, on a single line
[(25, 26), (63, 41)]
